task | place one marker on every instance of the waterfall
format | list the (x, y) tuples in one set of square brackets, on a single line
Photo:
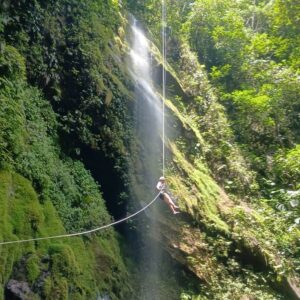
[(147, 160), (148, 110)]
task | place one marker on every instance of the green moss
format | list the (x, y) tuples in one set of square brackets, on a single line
[(32, 268), (59, 194), (110, 268), (60, 289), (164, 64), (47, 287), (188, 123), (266, 235), (70, 262), (204, 200), (12, 63)]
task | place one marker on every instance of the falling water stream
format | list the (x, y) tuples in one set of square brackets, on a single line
[(148, 115), (148, 108)]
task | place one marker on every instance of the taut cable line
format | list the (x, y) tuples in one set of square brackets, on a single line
[(82, 232)]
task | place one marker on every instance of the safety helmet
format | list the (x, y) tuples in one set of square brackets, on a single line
[(162, 178)]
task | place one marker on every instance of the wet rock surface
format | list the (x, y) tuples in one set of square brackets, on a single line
[(17, 290)]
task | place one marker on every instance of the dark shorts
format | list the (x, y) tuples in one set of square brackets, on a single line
[(161, 196)]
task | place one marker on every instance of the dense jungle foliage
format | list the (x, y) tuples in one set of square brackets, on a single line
[(66, 123), (250, 50), (53, 88), (245, 115)]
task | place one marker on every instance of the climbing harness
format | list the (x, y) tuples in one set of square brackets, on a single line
[(163, 155)]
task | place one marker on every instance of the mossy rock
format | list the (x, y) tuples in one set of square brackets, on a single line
[(12, 63), (33, 268), (62, 269)]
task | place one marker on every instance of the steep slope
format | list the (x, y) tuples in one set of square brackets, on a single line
[(236, 241), (44, 192), (238, 148), (67, 104), (58, 269)]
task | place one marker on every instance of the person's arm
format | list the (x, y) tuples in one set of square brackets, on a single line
[(159, 186)]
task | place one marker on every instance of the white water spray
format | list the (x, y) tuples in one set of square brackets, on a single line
[(149, 110), (148, 159)]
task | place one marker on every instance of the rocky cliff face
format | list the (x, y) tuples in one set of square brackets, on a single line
[(222, 246), (230, 245), (45, 92)]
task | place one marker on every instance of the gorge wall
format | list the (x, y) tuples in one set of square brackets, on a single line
[(71, 156)]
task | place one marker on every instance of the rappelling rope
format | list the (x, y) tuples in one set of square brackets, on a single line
[(163, 22), (82, 232)]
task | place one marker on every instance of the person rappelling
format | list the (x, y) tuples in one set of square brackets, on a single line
[(164, 195)]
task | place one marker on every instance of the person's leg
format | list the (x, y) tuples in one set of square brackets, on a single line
[(172, 209), (170, 201)]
